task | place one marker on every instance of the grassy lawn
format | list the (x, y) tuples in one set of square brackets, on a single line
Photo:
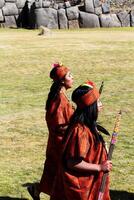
[(25, 62)]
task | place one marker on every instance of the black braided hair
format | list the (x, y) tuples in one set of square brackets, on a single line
[(54, 91)]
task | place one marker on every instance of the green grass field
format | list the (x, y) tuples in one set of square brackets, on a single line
[(25, 62)]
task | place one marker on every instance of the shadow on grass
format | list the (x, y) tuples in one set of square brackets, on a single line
[(29, 184), (115, 195), (11, 198), (121, 195)]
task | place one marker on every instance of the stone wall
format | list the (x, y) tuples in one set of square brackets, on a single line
[(61, 14)]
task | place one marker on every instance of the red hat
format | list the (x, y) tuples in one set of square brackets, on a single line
[(90, 97), (58, 72)]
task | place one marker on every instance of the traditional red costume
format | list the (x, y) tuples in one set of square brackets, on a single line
[(81, 144), (57, 117)]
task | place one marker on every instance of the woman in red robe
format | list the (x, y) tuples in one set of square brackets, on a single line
[(58, 113), (84, 155)]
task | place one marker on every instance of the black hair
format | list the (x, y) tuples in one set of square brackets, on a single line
[(54, 91), (88, 115), (80, 91), (53, 72), (55, 88)]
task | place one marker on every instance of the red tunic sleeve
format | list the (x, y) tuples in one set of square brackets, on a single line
[(78, 144), (81, 143)]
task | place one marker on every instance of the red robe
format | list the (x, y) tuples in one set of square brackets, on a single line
[(81, 143), (57, 116)]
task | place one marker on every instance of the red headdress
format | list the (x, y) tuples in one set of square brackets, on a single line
[(90, 97), (58, 72)]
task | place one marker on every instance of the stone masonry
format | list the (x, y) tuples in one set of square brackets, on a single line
[(59, 14)]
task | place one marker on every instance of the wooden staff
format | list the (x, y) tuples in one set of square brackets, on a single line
[(111, 148), (101, 87)]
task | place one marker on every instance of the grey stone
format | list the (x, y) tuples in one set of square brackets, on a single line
[(41, 17), (10, 21), (10, 9), (89, 6), (63, 22), (46, 17), (38, 3), (2, 2), (124, 17), (73, 24), (98, 10), (88, 20), (132, 18), (61, 5), (97, 3), (106, 7), (67, 4), (109, 20), (20, 3), (1, 16), (72, 13), (55, 6), (53, 19), (46, 4)]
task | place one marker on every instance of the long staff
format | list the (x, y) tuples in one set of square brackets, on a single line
[(111, 148), (101, 87)]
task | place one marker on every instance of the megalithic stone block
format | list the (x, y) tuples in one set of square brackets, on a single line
[(61, 5), (46, 4), (89, 6), (73, 24), (98, 10), (72, 13), (1, 16), (109, 20), (88, 20), (41, 17), (55, 6), (38, 3), (10, 21), (20, 3), (10, 9), (106, 7), (63, 22), (67, 4), (53, 19), (2, 2), (46, 17), (124, 17), (97, 3)]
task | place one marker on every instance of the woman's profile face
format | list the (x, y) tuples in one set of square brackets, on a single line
[(68, 80), (99, 105)]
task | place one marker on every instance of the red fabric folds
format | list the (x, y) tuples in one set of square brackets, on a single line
[(81, 143), (57, 117)]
